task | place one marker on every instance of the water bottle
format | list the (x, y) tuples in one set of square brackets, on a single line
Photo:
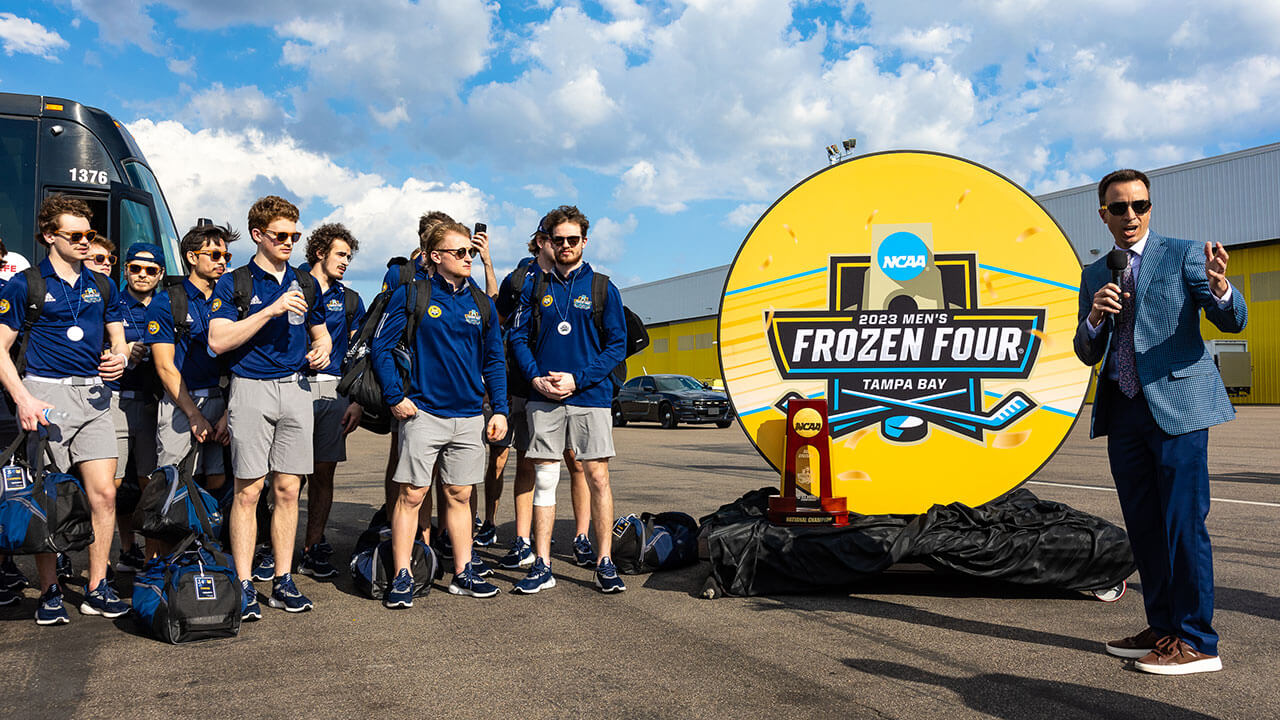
[(295, 318), (53, 416)]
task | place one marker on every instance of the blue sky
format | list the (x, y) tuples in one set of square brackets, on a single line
[(673, 125)]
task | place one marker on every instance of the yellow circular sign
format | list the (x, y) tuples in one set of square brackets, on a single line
[(932, 303), (807, 422)]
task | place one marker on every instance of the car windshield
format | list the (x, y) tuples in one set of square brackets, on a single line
[(676, 383)]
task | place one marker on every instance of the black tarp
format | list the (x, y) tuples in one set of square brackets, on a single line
[(1017, 538)]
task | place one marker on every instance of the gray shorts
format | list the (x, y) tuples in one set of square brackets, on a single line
[(173, 433), (271, 425), (329, 442), (458, 444), (587, 431), (518, 425), (135, 419), (88, 433)]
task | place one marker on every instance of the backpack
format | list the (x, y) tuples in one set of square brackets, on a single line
[(372, 565), (172, 504), (637, 335), (243, 293), (46, 515), (650, 542), (36, 290), (359, 382), (350, 305), (193, 593)]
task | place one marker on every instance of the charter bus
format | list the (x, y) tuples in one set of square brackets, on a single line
[(50, 145)]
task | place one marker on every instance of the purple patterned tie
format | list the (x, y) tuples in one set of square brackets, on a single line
[(1126, 368)]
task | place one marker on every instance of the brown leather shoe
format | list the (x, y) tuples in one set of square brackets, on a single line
[(1172, 656), (1136, 646)]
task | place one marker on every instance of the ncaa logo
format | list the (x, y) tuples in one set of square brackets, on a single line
[(434, 311), (902, 256)]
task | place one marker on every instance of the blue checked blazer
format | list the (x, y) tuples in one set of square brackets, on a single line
[(1176, 371)]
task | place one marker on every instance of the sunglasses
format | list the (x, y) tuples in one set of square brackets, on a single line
[(570, 240), (102, 259), (1140, 207), (282, 237), (458, 252), (148, 270), (214, 255), (75, 237)]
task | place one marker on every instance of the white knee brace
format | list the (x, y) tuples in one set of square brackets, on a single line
[(545, 478)]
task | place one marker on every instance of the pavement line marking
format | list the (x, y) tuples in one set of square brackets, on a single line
[(1111, 490)]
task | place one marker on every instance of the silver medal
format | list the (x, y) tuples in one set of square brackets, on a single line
[(564, 328), (75, 333)]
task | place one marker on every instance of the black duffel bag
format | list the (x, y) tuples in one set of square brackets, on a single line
[(168, 507), (41, 510)]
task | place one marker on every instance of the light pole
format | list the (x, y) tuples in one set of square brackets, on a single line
[(843, 151)]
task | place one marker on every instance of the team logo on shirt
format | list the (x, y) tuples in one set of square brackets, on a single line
[(335, 305), (4, 306), (91, 295), (472, 317), (582, 302), (546, 300), (434, 311), (384, 286), (215, 305), (153, 327)]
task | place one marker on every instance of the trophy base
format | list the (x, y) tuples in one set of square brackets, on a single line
[(819, 511)]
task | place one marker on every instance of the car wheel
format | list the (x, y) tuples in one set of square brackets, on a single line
[(666, 416), (723, 423), (619, 419)]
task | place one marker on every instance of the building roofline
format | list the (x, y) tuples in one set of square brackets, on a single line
[(1189, 165)]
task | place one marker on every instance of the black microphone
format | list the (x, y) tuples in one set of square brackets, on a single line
[(1117, 261)]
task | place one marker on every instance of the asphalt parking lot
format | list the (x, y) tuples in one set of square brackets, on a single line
[(911, 644)]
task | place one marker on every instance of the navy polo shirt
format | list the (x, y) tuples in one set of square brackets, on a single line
[(199, 368), (277, 350), (335, 320), (142, 377), (50, 353)]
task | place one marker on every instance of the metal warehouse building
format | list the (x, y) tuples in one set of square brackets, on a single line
[(1233, 199)]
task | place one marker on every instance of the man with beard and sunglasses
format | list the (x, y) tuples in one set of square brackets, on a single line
[(64, 373), (1158, 392), (568, 362), (193, 410), (271, 331), (135, 394), (329, 251)]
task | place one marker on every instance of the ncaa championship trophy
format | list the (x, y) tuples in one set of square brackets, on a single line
[(807, 428)]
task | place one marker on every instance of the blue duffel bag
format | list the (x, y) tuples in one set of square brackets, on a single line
[(41, 510), (169, 504)]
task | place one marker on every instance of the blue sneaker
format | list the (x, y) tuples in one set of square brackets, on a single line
[(468, 583), (607, 577), (583, 554), (264, 565), (520, 555), (400, 594), (8, 597), (315, 562), (284, 594), (103, 601), (65, 571), (249, 608), (539, 578), (51, 611), (131, 560), (11, 578), (323, 547), (486, 535), (478, 566)]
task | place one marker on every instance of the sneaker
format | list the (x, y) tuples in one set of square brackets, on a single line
[(250, 610), (264, 565), (65, 571), (400, 593), (11, 578), (520, 555), (583, 554), (468, 583), (486, 534), (103, 601), (131, 560), (442, 544), (284, 594), (1135, 646), (607, 577), (323, 548), (1173, 656), (51, 611), (478, 566), (8, 597), (315, 563), (539, 578)]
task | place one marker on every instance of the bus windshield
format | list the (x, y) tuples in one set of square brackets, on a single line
[(140, 176)]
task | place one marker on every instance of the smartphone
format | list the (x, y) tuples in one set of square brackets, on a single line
[(480, 227)]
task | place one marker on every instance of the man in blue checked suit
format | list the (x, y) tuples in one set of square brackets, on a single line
[(1158, 392)]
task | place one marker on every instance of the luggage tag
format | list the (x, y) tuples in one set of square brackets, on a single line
[(15, 478), (205, 589)]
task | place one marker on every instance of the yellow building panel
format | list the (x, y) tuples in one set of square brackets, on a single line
[(1263, 330)]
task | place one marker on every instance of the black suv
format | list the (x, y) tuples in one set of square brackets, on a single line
[(671, 399)]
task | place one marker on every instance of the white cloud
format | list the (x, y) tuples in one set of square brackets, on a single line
[(22, 35), (233, 108), (181, 67), (608, 238), (745, 215), (934, 40), (541, 192)]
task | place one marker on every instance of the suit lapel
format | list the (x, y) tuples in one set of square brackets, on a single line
[(1154, 252)]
